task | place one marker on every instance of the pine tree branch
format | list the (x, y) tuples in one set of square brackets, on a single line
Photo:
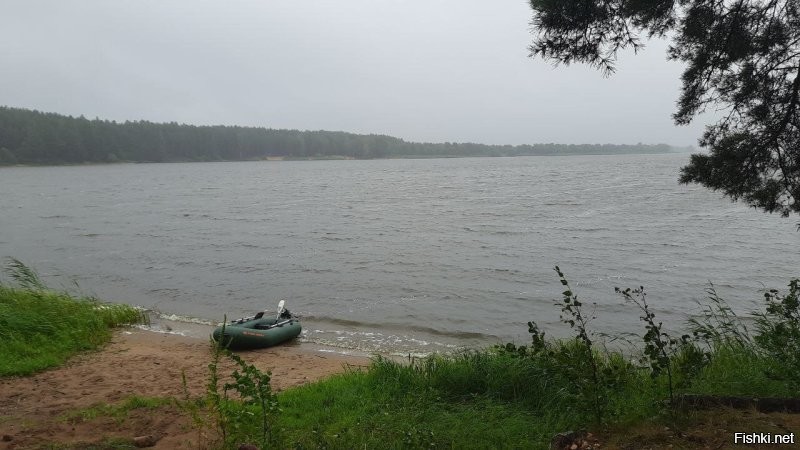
[(776, 135)]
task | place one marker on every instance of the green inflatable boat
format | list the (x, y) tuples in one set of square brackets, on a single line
[(259, 331)]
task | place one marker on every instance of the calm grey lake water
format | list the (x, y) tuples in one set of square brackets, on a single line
[(395, 255)]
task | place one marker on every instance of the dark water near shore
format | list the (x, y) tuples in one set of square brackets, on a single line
[(395, 255)]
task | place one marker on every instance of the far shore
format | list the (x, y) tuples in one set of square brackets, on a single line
[(330, 158)]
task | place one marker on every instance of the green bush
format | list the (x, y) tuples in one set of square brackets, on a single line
[(248, 415), (778, 334)]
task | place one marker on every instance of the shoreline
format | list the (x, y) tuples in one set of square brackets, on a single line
[(142, 363), (345, 340), (288, 158), (200, 333), (150, 363)]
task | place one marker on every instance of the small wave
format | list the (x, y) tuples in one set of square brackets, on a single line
[(405, 327), (183, 319), (185, 263), (334, 344), (513, 272), (313, 270), (337, 321), (161, 330), (390, 345), (400, 263), (112, 306), (560, 203), (350, 333), (148, 235), (336, 351), (168, 291), (334, 238), (507, 233)]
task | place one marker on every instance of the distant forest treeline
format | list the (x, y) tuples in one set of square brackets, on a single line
[(33, 137)]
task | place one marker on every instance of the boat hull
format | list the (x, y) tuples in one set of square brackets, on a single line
[(256, 333)]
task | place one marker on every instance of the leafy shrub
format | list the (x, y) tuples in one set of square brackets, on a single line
[(778, 333), (246, 417)]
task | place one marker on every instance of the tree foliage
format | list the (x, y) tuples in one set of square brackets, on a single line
[(742, 57), (32, 137)]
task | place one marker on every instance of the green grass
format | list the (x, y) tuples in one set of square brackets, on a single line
[(741, 371), (358, 410), (119, 412), (497, 399), (480, 399), (40, 329)]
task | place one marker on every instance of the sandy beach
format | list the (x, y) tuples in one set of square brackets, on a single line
[(34, 410)]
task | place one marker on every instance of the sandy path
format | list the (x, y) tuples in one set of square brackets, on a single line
[(139, 363)]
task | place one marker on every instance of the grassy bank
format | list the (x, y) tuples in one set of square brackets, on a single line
[(507, 396), (440, 402), (494, 399), (520, 397), (40, 328), (485, 399)]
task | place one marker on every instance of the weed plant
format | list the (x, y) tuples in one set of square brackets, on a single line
[(718, 324), (660, 348), (587, 379), (246, 416)]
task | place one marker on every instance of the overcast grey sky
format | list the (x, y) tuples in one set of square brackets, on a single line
[(422, 70)]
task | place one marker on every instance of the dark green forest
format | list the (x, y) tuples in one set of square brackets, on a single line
[(33, 137)]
